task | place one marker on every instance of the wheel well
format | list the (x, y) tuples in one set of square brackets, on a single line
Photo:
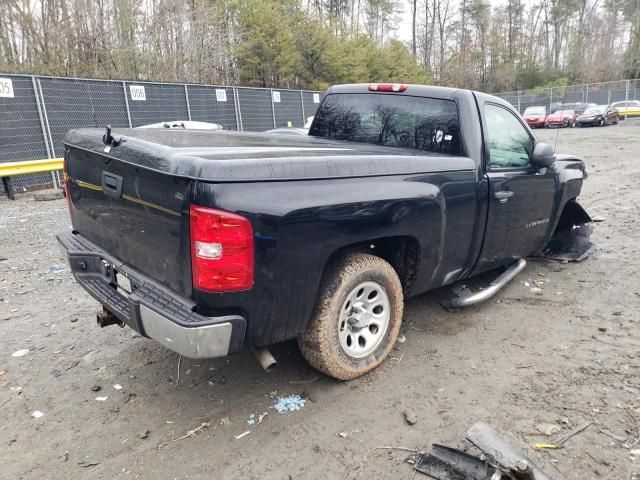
[(402, 253)]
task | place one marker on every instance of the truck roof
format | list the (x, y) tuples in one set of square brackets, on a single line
[(430, 91)]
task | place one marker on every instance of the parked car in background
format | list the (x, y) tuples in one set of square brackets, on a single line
[(535, 116), (600, 115), (561, 118), (629, 108), (185, 125), (578, 107)]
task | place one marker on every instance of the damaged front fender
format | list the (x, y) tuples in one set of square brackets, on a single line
[(571, 238)]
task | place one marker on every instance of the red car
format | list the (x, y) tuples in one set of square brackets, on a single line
[(535, 116), (561, 118)]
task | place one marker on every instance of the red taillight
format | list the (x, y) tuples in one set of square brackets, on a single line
[(387, 87), (65, 177), (221, 250)]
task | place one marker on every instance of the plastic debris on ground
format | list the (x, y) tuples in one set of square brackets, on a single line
[(101, 399), (37, 414), (117, 386), (20, 353), (55, 267), (252, 420), (289, 404)]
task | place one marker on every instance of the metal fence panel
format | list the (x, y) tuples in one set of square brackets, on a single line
[(21, 135), (288, 108), (311, 102), (71, 103), (156, 102), (210, 104), (255, 109)]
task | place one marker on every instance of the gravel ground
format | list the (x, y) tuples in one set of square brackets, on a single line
[(566, 357)]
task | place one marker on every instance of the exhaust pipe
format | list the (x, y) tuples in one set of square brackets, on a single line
[(266, 360), (106, 318)]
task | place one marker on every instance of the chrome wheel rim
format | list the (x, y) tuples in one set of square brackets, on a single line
[(364, 319)]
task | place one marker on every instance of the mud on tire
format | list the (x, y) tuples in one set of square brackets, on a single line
[(321, 343)]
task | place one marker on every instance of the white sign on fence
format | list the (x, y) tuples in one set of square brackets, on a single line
[(138, 93), (276, 97), (316, 98), (221, 95), (6, 87)]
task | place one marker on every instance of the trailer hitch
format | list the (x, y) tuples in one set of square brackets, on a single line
[(106, 318)]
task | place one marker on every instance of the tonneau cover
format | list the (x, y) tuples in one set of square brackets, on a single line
[(242, 156)]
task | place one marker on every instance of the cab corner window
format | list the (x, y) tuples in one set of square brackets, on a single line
[(510, 145)]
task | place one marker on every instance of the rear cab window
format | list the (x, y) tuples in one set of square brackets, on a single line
[(427, 124)]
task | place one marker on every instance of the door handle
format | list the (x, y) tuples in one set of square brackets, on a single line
[(503, 195)]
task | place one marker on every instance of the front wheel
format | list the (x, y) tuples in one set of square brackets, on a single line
[(602, 122), (356, 319)]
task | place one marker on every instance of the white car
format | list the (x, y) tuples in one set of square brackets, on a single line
[(185, 125)]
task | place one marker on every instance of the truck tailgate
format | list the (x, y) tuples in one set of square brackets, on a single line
[(136, 215)]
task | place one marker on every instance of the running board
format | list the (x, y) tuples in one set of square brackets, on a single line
[(466, 298)]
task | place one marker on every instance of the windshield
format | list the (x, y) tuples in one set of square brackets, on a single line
[(427, 124), (594, 110), (534, 111), (567, 112)]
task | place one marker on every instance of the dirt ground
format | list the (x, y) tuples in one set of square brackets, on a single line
[(568, 356)]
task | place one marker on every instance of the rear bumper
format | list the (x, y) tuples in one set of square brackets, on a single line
[(151, 309), (535, 123)]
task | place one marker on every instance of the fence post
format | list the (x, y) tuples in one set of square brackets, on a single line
[(42, 127), (236, 98), (186, 96), (519, 108), (626, 91), (586, 96), (273, 108), (46, 122), (304, 120), (550, 98), (126, 103)]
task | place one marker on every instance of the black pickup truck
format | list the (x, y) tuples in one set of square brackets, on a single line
[(213, 242)]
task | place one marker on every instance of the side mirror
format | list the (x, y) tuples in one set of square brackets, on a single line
[(543, 155)]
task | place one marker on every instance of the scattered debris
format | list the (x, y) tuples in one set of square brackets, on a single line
[(101, 399), (261, 417), (224, 421), (37, 414), (20, 353), (548, 428), (502, 452), (252, 420), (349, 435), (410, 417), (563, 438), (445, 463), (144, 435), (619, 438), (401, 339), (602, 329), (616, 313), (117, 386), (55, 267), (96, 388), (289, 404), (536, 291), (243, 434), (190, 433), (86, 464), (546, 446)]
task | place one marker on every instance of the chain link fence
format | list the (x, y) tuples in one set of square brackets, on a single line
[(37, 111), (604, 93)]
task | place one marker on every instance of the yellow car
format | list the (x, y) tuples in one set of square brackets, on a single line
[(630, 108)]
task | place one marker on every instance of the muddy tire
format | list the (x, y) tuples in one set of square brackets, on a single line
[(356, 318)]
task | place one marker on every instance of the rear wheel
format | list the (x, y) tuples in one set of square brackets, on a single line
[(356, 319)]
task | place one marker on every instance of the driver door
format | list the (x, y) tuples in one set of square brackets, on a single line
[(521, 196)]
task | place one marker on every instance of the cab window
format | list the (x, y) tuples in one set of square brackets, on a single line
[(510, 145)]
